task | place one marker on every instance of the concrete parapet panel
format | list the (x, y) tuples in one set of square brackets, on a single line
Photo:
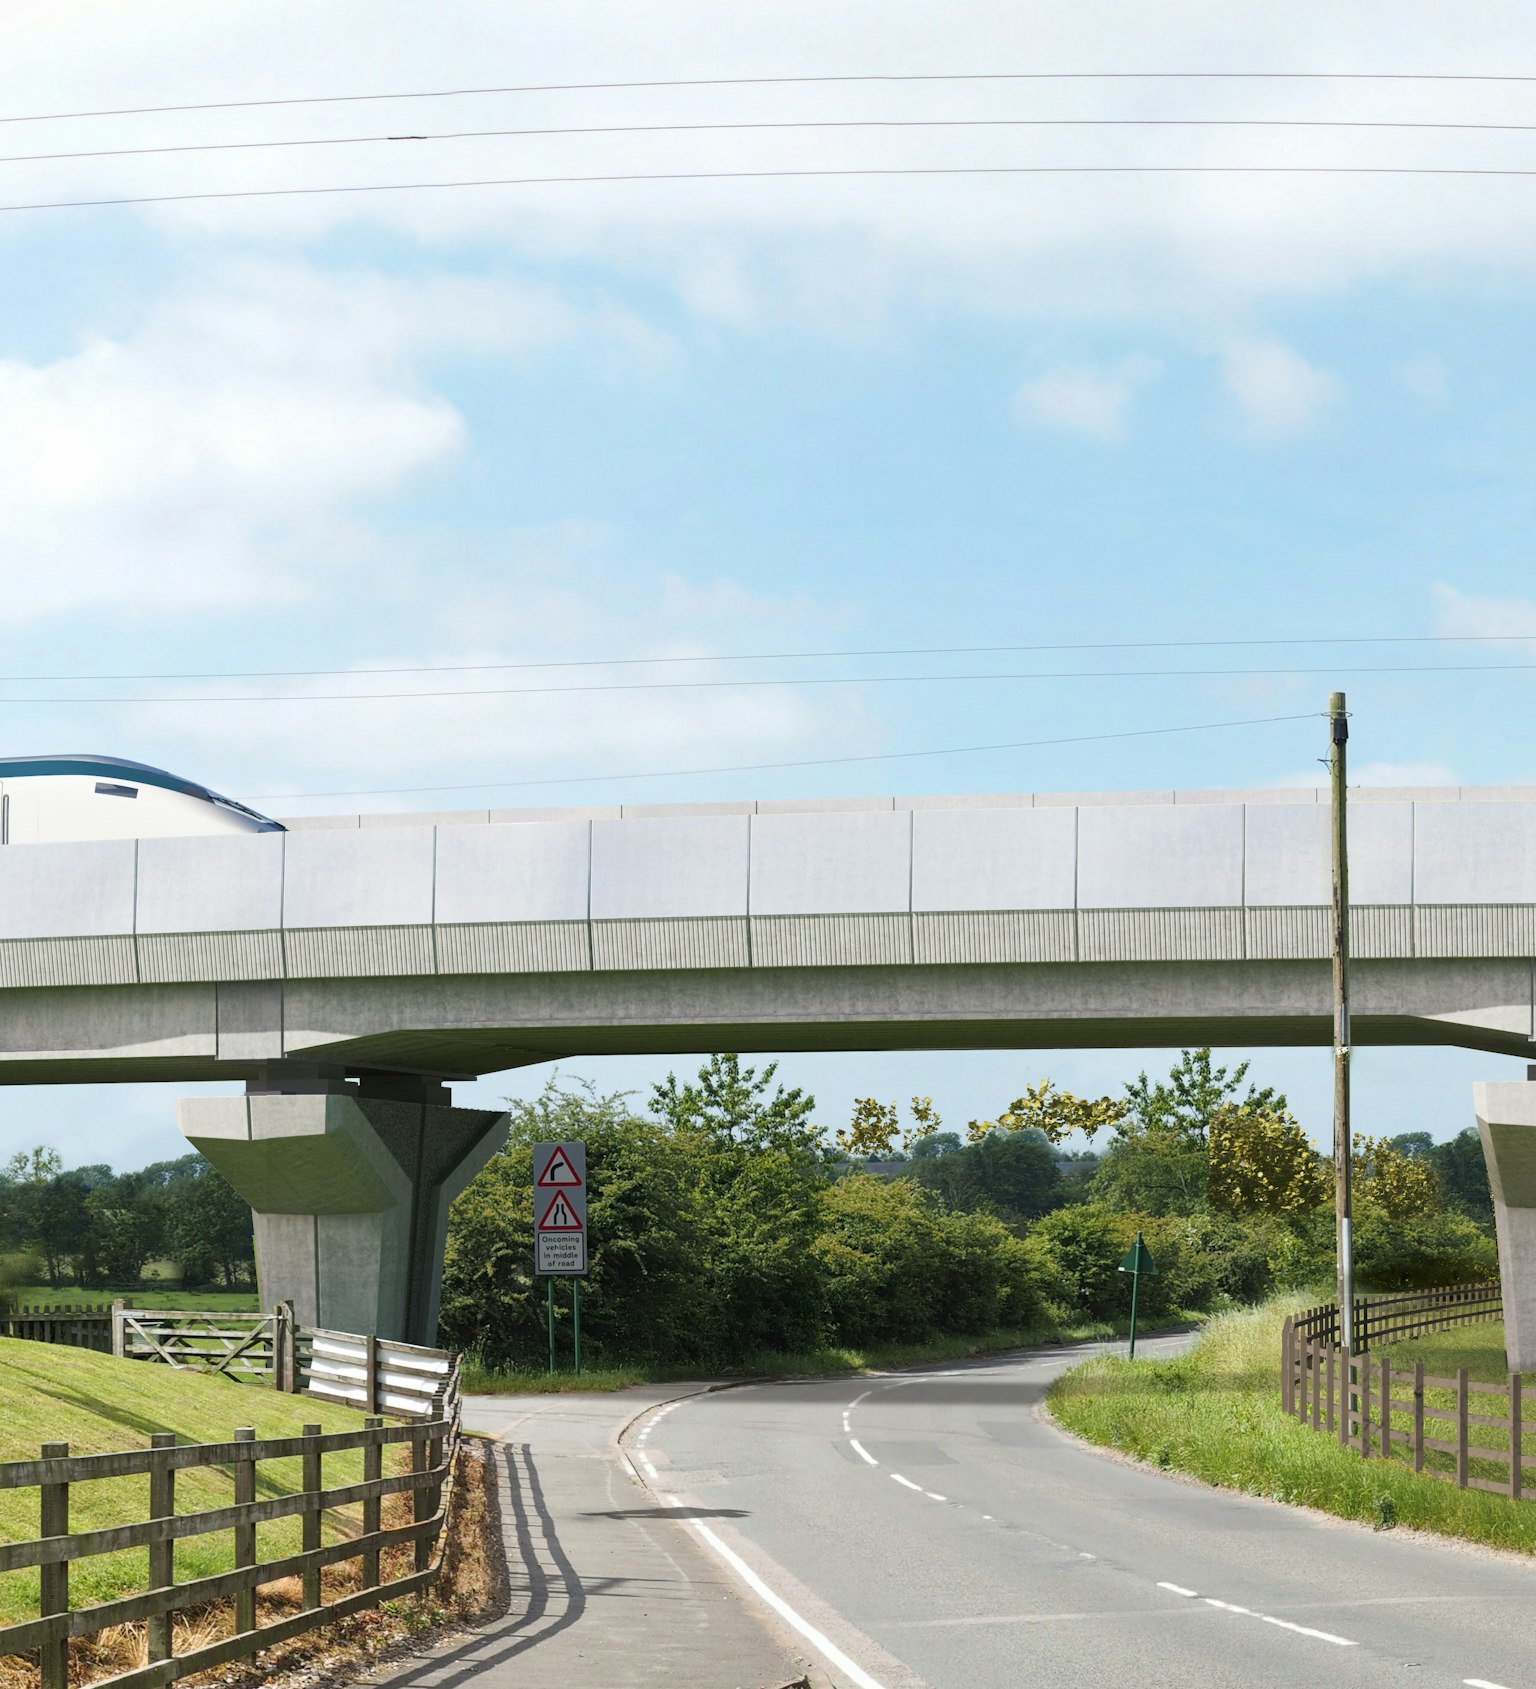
[(703, 943), (1288, 935), (981, 800), (204, 885), (381, 877), (1160, 857), (1288, 860), (173, 957), (831, 864), (1380, 853), (428, 818), (998, 935), (1475, 854), (1475, 930), (67, 961), (519, 947), (1156, 935), (823, 806), (535, 872), (1379, 932), (71, 890), (356, 952), (665, 811), (1100, 800), (567, 812), (994, 859), (802, 941), (686, 866)]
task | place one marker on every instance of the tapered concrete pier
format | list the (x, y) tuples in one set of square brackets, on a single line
[(350, 1192), (1506, 1122)]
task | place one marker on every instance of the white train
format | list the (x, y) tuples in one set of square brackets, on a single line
[(45, 799)]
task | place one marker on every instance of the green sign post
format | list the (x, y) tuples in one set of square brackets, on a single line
[(1138, 1260)]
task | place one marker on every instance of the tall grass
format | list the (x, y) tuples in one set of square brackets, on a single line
[(1215, 1413)]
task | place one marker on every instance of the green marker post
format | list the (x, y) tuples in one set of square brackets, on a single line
[(549, 1286), (1138, 1260), (576, 1320)]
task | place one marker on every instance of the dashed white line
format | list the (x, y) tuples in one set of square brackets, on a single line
[(862, 1452), (907, 1482), (1265, 1618), (932, 1497), (650, 1471), (1480, 1683)]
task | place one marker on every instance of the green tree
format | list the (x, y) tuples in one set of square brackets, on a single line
[(732, 1103), (1264, 1163), (208, 1230), (1463, 1173)]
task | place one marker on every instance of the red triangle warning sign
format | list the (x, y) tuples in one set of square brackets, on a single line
[(560, 1216), (558, 1171)]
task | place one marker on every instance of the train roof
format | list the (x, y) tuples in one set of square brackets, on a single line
[(120, 768)]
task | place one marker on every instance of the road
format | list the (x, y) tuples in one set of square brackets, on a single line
[(931, 1529)]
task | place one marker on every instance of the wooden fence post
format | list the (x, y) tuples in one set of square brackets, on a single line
[(162, 1555), (1418, 1416), (1386, 1408), (119, 1330), (1287, 1369), (54, 1522), (1461, 1427), (1365, 1409), (1316, 1355), (1516, 1470), (1344, 1381), (245, 1535), (419, 1509), (1328, 1367), (373, 1470), (311, 1512), (371, 1369)]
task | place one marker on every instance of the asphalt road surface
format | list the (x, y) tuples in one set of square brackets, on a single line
[(931, 1529)]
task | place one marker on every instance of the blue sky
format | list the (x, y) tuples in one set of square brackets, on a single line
[(600, 422)]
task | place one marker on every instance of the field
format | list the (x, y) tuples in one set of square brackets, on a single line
[(152, 1296), (1215, 1413)]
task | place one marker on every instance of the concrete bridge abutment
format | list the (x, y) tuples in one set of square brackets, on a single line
[(1506, 1122), (350, 1190)]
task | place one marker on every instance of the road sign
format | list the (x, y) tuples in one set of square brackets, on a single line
[(560, 1209), (1138, 1260)]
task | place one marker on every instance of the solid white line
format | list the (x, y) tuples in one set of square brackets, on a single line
[(829, 1651), (908, 1482), (1480, 1683), (1178, 1589), (1306, 1630), (932, 1497), (859, 1449)]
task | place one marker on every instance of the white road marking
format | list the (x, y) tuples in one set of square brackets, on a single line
[(1083, 1554), (863, 1453), (1265, 1618), (1480, 1683), (987, 1517), (857, 1399), (650, 1470), (907, 1482), (846, 1426), (932, 1497), (830, 1652)]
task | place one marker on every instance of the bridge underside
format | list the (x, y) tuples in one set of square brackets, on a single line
[(468, 1025)]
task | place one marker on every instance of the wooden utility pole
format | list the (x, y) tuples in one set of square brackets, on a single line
[(1338, 722)]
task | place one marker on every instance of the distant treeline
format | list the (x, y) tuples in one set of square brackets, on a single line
[(94, 1228), (724, 1224)]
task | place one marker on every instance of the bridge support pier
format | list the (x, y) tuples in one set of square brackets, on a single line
[(350, 1190), (1506, 1122)]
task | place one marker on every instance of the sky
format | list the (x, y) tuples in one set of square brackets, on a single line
[(1131, 448)]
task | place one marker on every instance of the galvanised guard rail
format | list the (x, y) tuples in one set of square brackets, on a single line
[(433, 1444), (1459, 1430)]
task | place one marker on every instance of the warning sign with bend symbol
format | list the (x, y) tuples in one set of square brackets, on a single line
[(560, 1209)]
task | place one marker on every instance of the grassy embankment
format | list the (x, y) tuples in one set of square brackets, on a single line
[(814, 1363), (98, 1405), (1215, 1413)]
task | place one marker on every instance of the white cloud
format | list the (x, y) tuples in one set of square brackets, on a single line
[(1276, 389), (1464, 615), (217, 455), (1178, 245), (1083, 399)]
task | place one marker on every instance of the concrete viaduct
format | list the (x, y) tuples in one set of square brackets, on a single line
[(348, 970)]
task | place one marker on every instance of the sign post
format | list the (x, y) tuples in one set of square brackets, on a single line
[(1138, 1260), (560, 1227)]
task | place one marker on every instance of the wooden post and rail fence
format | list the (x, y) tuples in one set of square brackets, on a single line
[(425, 1386), (1459, 1430)]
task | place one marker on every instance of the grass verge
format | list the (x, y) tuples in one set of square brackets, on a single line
[(30, 1296), (829, 1362), (1215, 1413)]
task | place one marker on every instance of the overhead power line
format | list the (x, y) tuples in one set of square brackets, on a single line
[(847, 172), (773, 681), (784, 82), (760, 767), (775, 125), (795, 656)]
